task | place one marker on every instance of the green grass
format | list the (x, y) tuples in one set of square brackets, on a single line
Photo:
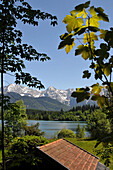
[(88, 145)]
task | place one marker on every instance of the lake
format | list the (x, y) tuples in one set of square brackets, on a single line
[(51, 128)]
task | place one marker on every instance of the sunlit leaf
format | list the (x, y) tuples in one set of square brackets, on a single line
[(92, 11), (94, 21), (72, 22), (96, 88), (82, 13), (107, 69), (103, 33), (101, 100), (73, 12), (86, 37), (84, 50), (69, 47)]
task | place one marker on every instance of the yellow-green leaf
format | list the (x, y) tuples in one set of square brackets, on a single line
[(86, 37), (103, 33), (85, 55), (89, 37), (73, 12), (84, 13), (84, 50), (101, 100), (72, 22), (94, 21), (69, 47), (96, 88), (107, 70)]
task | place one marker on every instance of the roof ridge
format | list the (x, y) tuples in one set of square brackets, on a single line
[(50, 143), (80, 148)]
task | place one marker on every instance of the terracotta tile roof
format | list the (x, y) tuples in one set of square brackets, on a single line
[(69, 155)]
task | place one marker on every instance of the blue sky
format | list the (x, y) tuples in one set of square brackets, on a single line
[(63, 71)]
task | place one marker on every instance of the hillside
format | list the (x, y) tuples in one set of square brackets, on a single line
[(40, 103)]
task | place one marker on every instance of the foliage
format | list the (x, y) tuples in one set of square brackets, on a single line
[(15, 119), (80, 132), (66, 133), (12, 50), (33, 130), (98, 124), (84, 21), (105, 153), (23, 154), (79, 113)]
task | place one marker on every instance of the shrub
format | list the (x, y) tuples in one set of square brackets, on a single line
[(23, 154), (66, 133)]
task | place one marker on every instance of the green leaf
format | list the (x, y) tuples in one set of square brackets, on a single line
[(80, 30), (84, 50), (103, 33), (63, 36), (94, 29), (67, 41), (79, 50), (101, 100), (81, 94), (86, 74), (82, 6), (101, 14), (107, 69)]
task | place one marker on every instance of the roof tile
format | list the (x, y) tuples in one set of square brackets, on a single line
[(70, 155)]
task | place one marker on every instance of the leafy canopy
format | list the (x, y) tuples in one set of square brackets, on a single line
[(12, 51), (83, 24)]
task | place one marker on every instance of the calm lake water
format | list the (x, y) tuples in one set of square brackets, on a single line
[(51, 128)]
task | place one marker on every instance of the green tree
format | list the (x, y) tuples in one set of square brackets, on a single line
[(12, 51), (33, 130), (80, 132), (15, 120), (98, 124)]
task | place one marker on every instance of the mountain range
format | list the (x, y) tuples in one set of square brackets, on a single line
[(49, 99)]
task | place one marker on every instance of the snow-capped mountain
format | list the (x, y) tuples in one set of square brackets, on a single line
[(63, 96)]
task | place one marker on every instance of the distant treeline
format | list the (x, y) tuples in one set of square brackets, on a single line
[(79, 113)]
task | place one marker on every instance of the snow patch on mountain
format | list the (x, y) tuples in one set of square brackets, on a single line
[(63, 96)]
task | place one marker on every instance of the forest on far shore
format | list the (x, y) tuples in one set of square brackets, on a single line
[(79, 113)]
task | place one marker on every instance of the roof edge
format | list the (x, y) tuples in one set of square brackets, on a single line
[(81, 148), (51, 157)]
